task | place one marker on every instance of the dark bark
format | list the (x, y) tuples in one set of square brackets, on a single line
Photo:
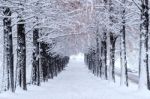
[(21, 52), (44, 61), (35, 64), (123, 36), (98, 61), (8, 44), (144, 38), (104, 53), (112, 54)]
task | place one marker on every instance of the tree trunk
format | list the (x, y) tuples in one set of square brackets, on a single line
[(143, 55), (104, 53), (112, 40), (112, 56), (44, 61), (98, 60), (124, 71), (35, 64), (21, 52), (8, 44)]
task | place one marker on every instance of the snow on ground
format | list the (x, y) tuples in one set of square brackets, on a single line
[(76, 82)]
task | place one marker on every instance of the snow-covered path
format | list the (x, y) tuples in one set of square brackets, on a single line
[(76, 82)]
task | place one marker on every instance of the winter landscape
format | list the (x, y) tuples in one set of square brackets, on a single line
[(74, 49)]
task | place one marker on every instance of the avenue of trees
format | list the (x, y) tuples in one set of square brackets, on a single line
[(45, 65), (42, 34), (117, 21)]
